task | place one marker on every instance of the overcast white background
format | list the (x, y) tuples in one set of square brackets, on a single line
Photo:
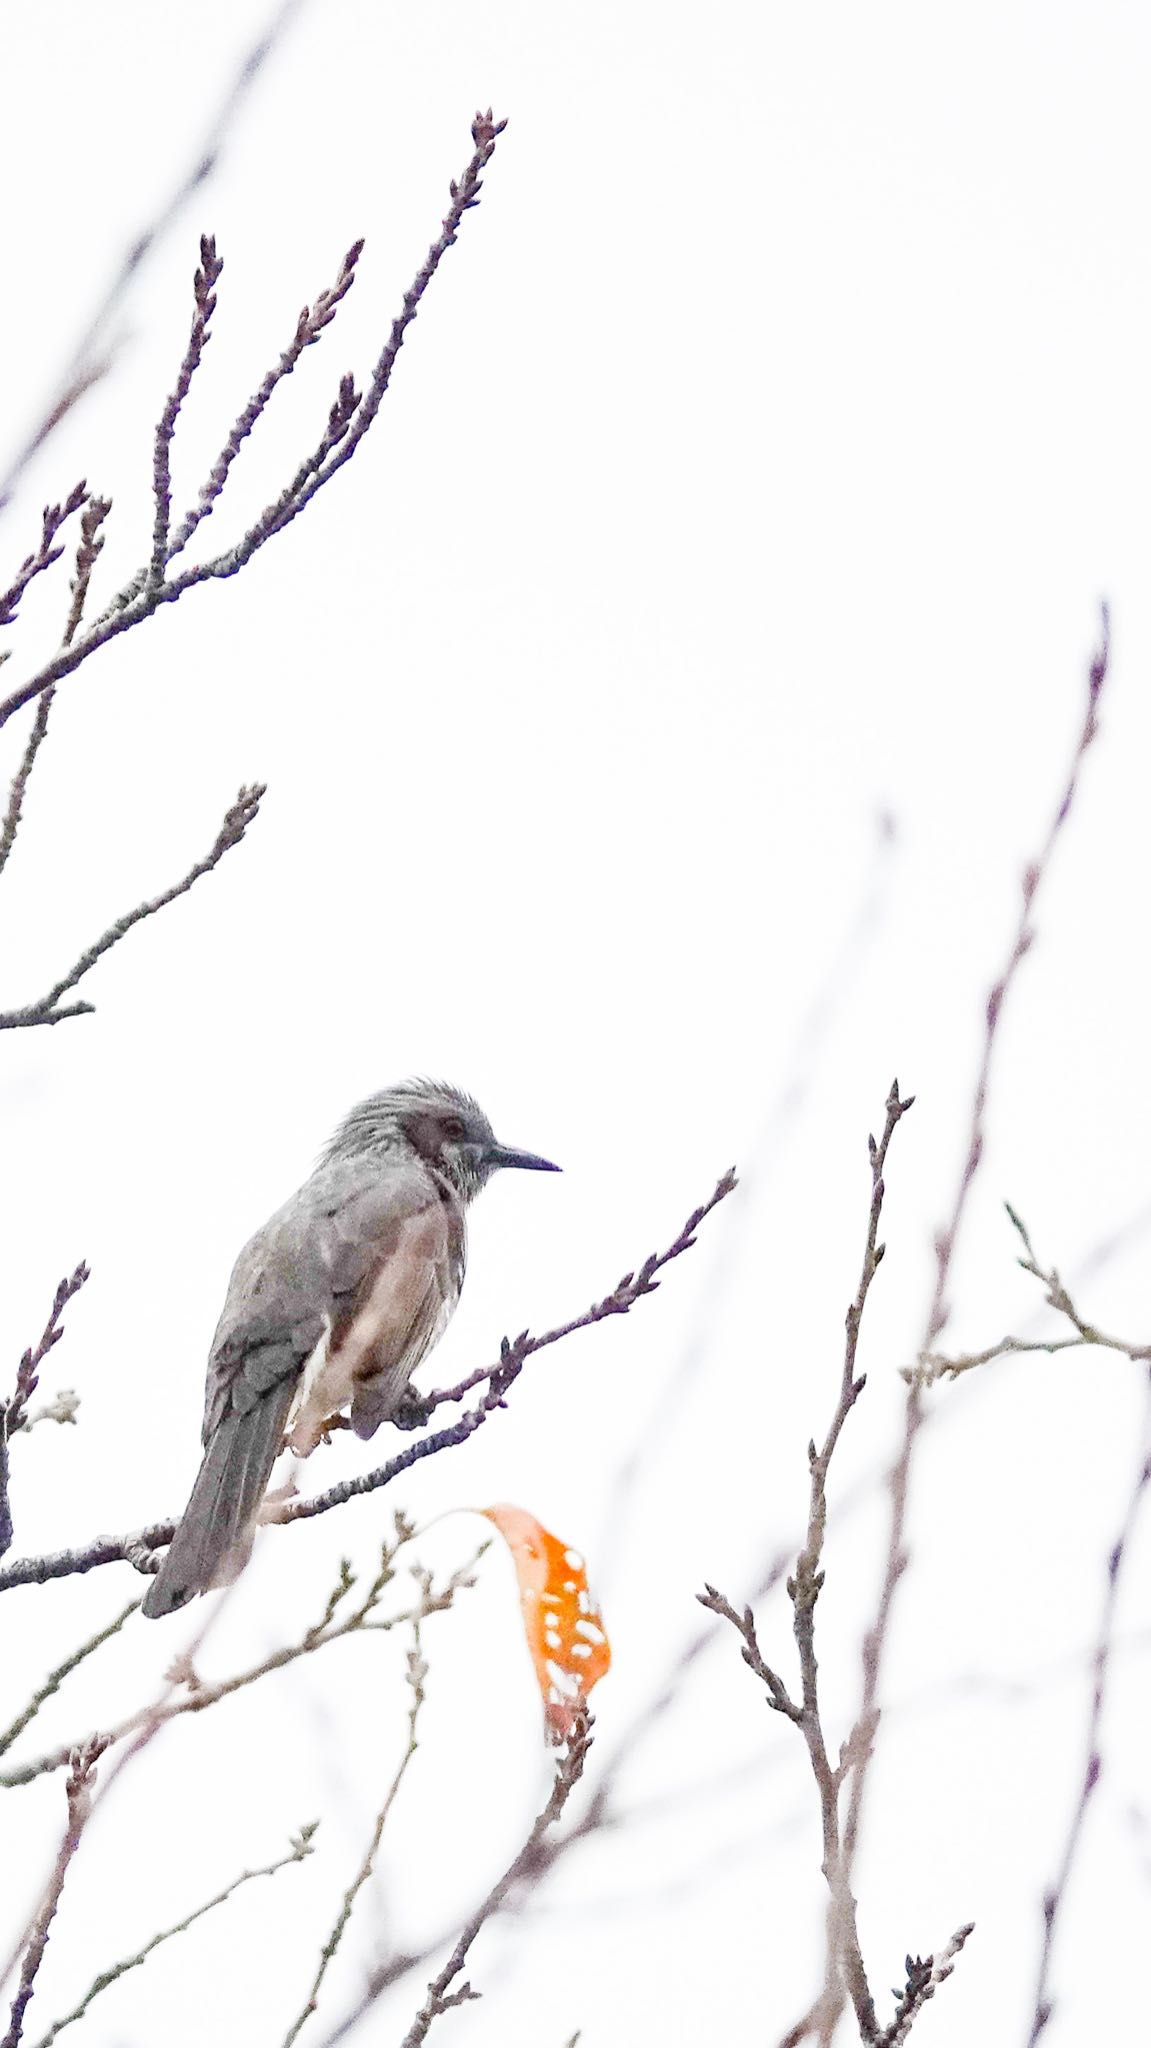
[(752, 475)]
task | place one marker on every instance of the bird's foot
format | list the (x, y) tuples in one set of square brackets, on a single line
[(412, 1412)]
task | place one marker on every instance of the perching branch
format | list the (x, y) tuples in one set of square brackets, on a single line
[(50, 1010), (138, 1547)]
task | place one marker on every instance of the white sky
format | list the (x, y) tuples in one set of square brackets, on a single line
[(754, 468)]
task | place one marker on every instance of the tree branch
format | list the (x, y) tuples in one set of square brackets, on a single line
[(49, 1009), (309, 328), (13, 1415), (1054, 1897), (349, 420), (417, 1672), (844, 1955), (52, 519), (79, 1796), (300, 1846), (332, 1627), (899, 1481), (935, 1365), (439, 1998), (62, 1671), (206, 279)]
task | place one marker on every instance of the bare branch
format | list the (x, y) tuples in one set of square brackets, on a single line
[(137, 1548), (13, 1415), (1054, 1897), (924, 1976), (87, 555), (744, 1625), (301, 1846), (56, 1678), (52, 519), (416, 1674), (844, 1955), (875, 1640), (321, 466), (935, 1365), (360, 1618), (568, 1773), (79, 1795), (206, 279), (50, 1010), (348, 421), (309, 328)]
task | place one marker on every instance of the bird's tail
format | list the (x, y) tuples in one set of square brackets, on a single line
[(220, 1516)]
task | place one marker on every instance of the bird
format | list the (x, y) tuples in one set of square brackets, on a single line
[(331, 1306)]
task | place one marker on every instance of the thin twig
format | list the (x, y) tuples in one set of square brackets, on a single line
[(301, 1846), (78, 1792), (924, 1976), (439, 1997), (56, 1678), (95, 512), (319, 468), (144, 594), (206, 279), (844, 1955), (1056, 1893), (52, 519), (417, 1672), (13, 1414), (935, 1365), (332, 1627), (309, 328), (50, 1010)]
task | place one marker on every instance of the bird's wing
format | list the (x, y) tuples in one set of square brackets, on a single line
[(395, 1256)]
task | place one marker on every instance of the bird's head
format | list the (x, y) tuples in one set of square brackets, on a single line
[(443, 1126)]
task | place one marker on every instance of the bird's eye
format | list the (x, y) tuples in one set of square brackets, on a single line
[(453, 1128)]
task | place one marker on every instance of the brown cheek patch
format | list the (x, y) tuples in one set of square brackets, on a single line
[(424, 1134)]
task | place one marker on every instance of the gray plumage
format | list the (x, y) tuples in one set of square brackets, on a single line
[(332, 1306)]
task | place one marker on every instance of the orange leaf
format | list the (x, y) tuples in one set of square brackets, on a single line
[(565, 1633)]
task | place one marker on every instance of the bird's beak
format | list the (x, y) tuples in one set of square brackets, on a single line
[(506, 1155)]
